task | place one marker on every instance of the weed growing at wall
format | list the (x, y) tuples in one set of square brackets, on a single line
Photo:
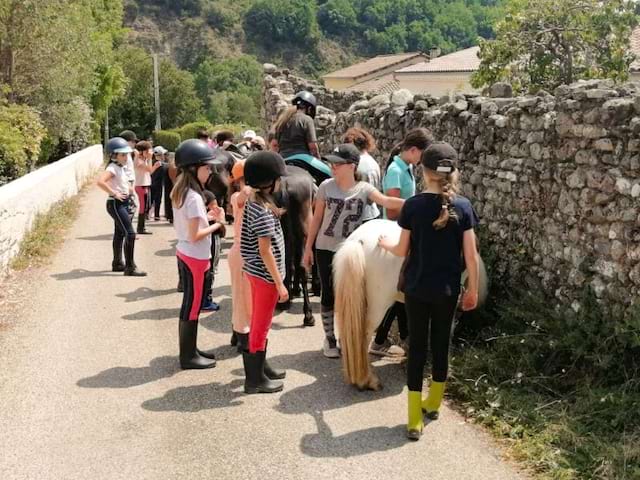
[(561, 383), (47, 234)]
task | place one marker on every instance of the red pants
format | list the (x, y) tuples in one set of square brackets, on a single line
[(264, 297), (143, 193), (192, 271)]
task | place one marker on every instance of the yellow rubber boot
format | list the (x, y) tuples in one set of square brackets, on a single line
[(415, 425), (432, 403)]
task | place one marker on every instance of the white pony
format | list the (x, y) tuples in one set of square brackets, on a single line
[(365, 282)]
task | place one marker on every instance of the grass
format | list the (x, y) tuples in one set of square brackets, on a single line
[(47, 234), (560, 387)]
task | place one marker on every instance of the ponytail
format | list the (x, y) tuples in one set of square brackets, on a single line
[(420, 138), (263, 197), (449, 184)]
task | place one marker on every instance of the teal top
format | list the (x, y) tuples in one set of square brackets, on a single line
[(399, 175)]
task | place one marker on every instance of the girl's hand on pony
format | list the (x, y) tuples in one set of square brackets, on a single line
[(384, 242), (469, 300), (283, 293)]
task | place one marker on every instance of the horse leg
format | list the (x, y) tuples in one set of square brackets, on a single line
[(308, 321)]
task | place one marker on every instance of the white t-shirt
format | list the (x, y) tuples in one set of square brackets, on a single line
[(143, 177), (193, 207), (131, 176), (119, 182), (369, 169)]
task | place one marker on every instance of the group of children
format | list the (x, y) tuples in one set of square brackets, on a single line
[(437, 240)]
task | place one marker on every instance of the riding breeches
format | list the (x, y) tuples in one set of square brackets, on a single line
[(192, 272), (123, 229), (426, 318), (264, 297)]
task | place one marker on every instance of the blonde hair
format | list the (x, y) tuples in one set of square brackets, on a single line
[(449, 185), (284, 119), (187, 179), (264, 198)]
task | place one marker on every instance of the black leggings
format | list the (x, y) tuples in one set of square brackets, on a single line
[(123, 229), (156, 199), (397, 310), (436, 316), (324, 260)]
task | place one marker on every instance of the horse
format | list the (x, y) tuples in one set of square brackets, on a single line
[(365, 282)]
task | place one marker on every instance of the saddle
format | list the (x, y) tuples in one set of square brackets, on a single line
[(319, 170)]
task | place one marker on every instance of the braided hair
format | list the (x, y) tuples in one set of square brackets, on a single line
[(449, 185)]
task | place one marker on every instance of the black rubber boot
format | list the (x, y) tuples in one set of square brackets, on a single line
[(117, 265), (234, 338), (255, 379), (141, 229), (130, 269), (272, 373), (190, 359), (243, 341)]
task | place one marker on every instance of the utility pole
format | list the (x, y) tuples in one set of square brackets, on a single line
[(106, 130), (156, 90)]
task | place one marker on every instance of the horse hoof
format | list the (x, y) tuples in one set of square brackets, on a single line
[(309, 321)]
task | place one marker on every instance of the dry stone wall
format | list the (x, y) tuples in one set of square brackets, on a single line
[(554, 178)]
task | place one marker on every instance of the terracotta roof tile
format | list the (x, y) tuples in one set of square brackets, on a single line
[(385, 84), (372, 65), (462, 61)]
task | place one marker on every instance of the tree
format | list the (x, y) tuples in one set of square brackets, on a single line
[(282, 23), (338, 17), (545, 43)]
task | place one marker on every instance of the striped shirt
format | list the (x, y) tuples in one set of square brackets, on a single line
[(258, 222)]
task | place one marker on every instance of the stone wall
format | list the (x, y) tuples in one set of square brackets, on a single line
[(22, 199), (554, 178)]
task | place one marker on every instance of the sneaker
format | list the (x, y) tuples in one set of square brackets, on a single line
[(209, 306), (387, 349), (330, 348)]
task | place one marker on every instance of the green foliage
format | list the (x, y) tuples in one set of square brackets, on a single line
[(273, 23), (169, 140), (190, 130), (338, 17), (230, 107), (221, 16), (558, 383), (545, 43), (21, 133), (179, 103)]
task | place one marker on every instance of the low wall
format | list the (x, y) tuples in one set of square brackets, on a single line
[(555, 178), (22, 199)]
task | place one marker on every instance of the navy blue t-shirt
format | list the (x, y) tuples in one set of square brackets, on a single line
[(435, 262)]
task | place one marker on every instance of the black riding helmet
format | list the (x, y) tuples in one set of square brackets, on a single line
[(306, 99), (196, 152), (263, 168), (129, 135)]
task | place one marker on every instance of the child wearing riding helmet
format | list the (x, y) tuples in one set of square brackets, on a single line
[(339, 210), (143, 170), (439, 240), (262, 251), (194, 159), (240, 287), (116, 182), (399, 182)]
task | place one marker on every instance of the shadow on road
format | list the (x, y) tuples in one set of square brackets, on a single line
[(155, 314), (362, 442), (144, 293), (105, 236), (197, 398), (127, 377), (79, 273)]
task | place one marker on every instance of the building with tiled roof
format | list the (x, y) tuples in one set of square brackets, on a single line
[(372, 69), (442, 75)]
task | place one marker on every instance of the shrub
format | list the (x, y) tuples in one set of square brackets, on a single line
[(282, 22), (169, 140), (190, 130), (221, 17), (69, 127), (21, 133)]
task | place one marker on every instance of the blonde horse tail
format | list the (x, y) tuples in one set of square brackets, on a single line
[(351, 312)]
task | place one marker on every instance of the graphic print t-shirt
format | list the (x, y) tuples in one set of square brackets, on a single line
[(258, 222), (343, 212)]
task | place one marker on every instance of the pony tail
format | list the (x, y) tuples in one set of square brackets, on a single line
[(396, 151), (446, 212), (266, 200)]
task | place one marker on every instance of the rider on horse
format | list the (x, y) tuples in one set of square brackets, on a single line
[(296, 136)]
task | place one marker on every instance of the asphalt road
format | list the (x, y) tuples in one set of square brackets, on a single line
[(90, 387)]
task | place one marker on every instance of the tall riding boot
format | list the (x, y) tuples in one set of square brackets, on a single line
[(414, 424), (234, 338), (272, 373), (190, 359), (255, 379), (130, 269), (242, 341), (117, 265), (431, 405), (141, 222)]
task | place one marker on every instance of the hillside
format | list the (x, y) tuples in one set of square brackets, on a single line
[(311, 37)]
